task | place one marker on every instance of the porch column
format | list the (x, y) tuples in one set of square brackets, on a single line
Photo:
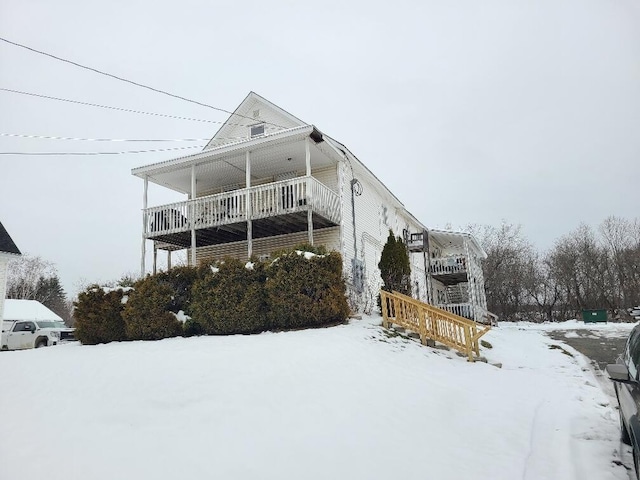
[(144, 227), (168, 260), (155, 257), (307, 154), (470, 280), (193, 215), (247, 182)]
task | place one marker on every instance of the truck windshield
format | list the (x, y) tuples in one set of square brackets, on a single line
[(48, 324)]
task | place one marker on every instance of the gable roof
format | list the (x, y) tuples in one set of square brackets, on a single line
[(23, 310), (254, 109), (6, 242)]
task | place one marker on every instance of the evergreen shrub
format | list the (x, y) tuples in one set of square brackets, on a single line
[(305, 292), (231, 299), (394, 266), (98, 316), (147, 314), (192, 328), (181, 280)]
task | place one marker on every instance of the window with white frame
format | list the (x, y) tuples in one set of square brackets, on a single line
[(256, 130)]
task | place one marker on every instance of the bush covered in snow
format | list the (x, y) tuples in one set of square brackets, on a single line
[(147, 314), (181, 280), (299, 288), (305, 290), (98, 315), (230, 298)]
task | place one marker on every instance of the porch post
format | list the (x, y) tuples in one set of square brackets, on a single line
[(155, 257), (307, 154), (247, 182), (192, 220), (144, 227), (470, 280), (168, 260)]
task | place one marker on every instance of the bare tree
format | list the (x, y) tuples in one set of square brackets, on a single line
[(541, 287), (23, 275), (32, 278), (508, 257)]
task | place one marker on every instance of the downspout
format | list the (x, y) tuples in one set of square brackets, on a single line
[(427, 264), (353, 183)]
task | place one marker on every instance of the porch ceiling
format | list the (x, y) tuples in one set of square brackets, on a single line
[(454, 241), (224, 168)]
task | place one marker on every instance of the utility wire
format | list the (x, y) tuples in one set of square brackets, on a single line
[(117, 108), (98, 153), (45, 137), (128, 81)]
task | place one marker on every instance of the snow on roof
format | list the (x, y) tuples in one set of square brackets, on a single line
[(19, 310)]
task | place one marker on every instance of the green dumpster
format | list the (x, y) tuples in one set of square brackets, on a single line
[(593, 316)]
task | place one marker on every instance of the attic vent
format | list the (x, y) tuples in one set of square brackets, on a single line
[(256, 113), (256, 130)]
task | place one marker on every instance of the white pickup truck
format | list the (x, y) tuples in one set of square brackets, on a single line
[(19, 335)]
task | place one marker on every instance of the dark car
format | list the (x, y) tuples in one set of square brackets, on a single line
[(626, 382)]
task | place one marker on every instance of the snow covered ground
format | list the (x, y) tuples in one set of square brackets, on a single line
[(352, 401)]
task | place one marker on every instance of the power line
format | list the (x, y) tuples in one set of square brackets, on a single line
[(45, 137), (128, 81), (114, 108), (98, 153)]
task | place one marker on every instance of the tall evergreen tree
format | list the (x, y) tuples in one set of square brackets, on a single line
[(394, 266)]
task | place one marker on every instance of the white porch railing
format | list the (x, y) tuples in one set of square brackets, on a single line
[(447, 265), (269, 200), (460, 309)]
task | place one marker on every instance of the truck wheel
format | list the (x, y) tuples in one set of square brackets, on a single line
[(41, 343)]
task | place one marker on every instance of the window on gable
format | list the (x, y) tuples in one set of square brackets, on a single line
[(256, 130)]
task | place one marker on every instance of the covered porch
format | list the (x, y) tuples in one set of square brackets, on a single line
[(273, 208), (284, 182)]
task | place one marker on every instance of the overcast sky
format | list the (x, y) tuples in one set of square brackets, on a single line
[(471, 112)]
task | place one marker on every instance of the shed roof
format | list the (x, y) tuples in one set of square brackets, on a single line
[(7, 244), (22, 310)]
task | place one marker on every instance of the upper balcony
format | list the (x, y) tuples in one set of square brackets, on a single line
[(449, 270), (274, 208)]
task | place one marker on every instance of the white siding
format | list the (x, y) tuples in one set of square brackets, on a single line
[(329, 237), (273, 120), (3, 284), (328, 177), (376, 213)]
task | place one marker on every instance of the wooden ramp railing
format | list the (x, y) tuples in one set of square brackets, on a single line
[(433, 323)]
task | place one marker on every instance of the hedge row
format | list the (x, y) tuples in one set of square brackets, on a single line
[(297, 290)]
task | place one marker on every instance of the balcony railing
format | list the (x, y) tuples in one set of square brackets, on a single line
[(448, 265), (269, 200), (461, 309)]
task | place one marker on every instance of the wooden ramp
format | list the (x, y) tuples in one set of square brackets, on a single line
[(432, 323)]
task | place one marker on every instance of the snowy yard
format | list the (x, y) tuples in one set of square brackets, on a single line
[(346, 402)]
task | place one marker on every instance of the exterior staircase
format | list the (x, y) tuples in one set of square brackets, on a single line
[(432, 323)]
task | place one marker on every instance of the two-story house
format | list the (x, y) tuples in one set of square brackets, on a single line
[(267, 181)]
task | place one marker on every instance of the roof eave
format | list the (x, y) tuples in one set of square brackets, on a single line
[(186, 161)]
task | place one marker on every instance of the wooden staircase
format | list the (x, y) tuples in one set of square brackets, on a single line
[(432, 323)]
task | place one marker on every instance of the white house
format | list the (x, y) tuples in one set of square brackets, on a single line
[(267, 180), (8, 251)]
